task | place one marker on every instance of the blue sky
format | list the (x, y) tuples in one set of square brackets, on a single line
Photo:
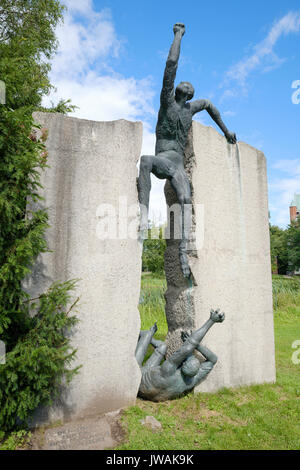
[(243, 56)]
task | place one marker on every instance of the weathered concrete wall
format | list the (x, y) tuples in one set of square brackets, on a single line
[(230, 260), (93, 163)]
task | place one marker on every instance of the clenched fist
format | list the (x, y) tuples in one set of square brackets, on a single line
[(179, 28), (216, 316)]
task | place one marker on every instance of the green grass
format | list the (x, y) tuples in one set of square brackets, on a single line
[(152, 304), (257, 417), (286, 292), (16, 440)]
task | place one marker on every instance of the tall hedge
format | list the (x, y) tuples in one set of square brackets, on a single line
[(35, 333)]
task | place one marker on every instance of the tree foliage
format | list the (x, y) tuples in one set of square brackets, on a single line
[(37, 345), (279, 249), (285, 248), (27, 42), (293, 243), (38, 364), (154, 251)]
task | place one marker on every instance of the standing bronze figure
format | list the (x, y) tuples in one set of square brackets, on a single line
[(174, 121)]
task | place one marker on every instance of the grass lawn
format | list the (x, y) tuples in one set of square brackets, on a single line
[(257, 417)]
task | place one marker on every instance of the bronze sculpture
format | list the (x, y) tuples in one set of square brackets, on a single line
[(182, 371), (174, 121)]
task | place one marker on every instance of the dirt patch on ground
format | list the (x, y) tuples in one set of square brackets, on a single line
[(206, 413), (117, 430)]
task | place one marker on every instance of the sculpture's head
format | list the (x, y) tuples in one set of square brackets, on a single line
[(191, 366), (184, 89)]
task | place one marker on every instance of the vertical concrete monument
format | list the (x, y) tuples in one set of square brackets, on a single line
[(229, 258), (218, 259), (91, 181), (218, 252)]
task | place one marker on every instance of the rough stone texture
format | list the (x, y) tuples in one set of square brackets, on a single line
[(231, 268), (94, 433), (180, 309), (93, 163), (151, 423)]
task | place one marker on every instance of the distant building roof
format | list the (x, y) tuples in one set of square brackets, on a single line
[(296, 201)]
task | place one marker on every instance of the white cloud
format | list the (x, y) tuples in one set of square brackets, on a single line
[(229, 113), (84, 43), (291, 166), (84, 71), (107, 97), (282, 190), (84, 7), (263, 57), (157, 203)]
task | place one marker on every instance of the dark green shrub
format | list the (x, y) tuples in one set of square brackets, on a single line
[(38, 352), (40, 361)]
